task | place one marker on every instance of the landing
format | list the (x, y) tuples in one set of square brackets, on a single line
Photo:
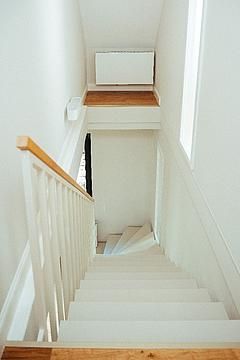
[(120, 98)]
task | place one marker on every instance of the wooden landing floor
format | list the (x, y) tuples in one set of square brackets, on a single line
[(14, 353), (120, 98)]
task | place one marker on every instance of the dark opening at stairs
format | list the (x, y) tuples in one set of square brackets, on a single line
[(85, 170)]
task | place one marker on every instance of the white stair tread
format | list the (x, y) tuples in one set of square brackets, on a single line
[(142, 232), (133, 268), (137, 275), (139, 284), (112, 240), (127, 234), (129, 260), (134, 256), (150, 331), (146, 311), (143, 295)]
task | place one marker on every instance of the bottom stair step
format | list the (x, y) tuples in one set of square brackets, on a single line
[(127, 332), (108, 311)]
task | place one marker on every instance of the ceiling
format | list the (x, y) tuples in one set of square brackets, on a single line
[(121, 23)]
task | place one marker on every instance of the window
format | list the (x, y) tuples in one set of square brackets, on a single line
[(195, 13)]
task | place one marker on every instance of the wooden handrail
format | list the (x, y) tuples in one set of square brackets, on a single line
[(25, 143)]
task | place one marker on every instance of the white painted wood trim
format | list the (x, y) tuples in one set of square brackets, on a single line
[(94, 87), (83, 345), (159, 186), (124, 118), (157, 94), (23, 314), (124, 126), (84, 94), (15, 290), (227, 265)]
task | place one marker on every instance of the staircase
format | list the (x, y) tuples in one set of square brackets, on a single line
[(133, 296)]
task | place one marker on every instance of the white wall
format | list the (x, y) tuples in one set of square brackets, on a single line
[(42, 65), (113, 24), (185, 228), (201, 225), (123, 164), (217, 148)]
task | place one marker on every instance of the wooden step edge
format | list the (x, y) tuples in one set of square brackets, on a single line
[(182, 353)]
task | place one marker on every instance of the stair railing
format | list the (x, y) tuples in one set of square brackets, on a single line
[(61, 234)]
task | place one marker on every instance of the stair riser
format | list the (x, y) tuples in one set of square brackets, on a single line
[(137, 295), (149, 331), (154, 250), (138, 284), (137, 257), (136, 268), (136, 276), (146, 311), (127, 261)]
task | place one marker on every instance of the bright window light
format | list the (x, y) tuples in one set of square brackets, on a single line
[(195, 13)]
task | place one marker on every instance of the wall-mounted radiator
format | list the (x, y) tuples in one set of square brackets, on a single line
[(124, 68)]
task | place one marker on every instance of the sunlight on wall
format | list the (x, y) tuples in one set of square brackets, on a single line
[(194, 28)]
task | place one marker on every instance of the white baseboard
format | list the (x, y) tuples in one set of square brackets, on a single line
[(94, 87), (10, 305), (157, 94), (84, 94)]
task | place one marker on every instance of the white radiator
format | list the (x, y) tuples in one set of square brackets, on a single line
[(124, 68)]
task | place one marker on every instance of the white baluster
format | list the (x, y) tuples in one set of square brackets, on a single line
[(55, 247), (33, 236), (63, 251), (48, 258)]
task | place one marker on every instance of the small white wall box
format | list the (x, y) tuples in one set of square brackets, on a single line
[(125, 68), (74, 108)]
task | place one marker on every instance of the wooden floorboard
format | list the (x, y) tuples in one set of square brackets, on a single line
[(120, 98), (15, 353), (109, 354)]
